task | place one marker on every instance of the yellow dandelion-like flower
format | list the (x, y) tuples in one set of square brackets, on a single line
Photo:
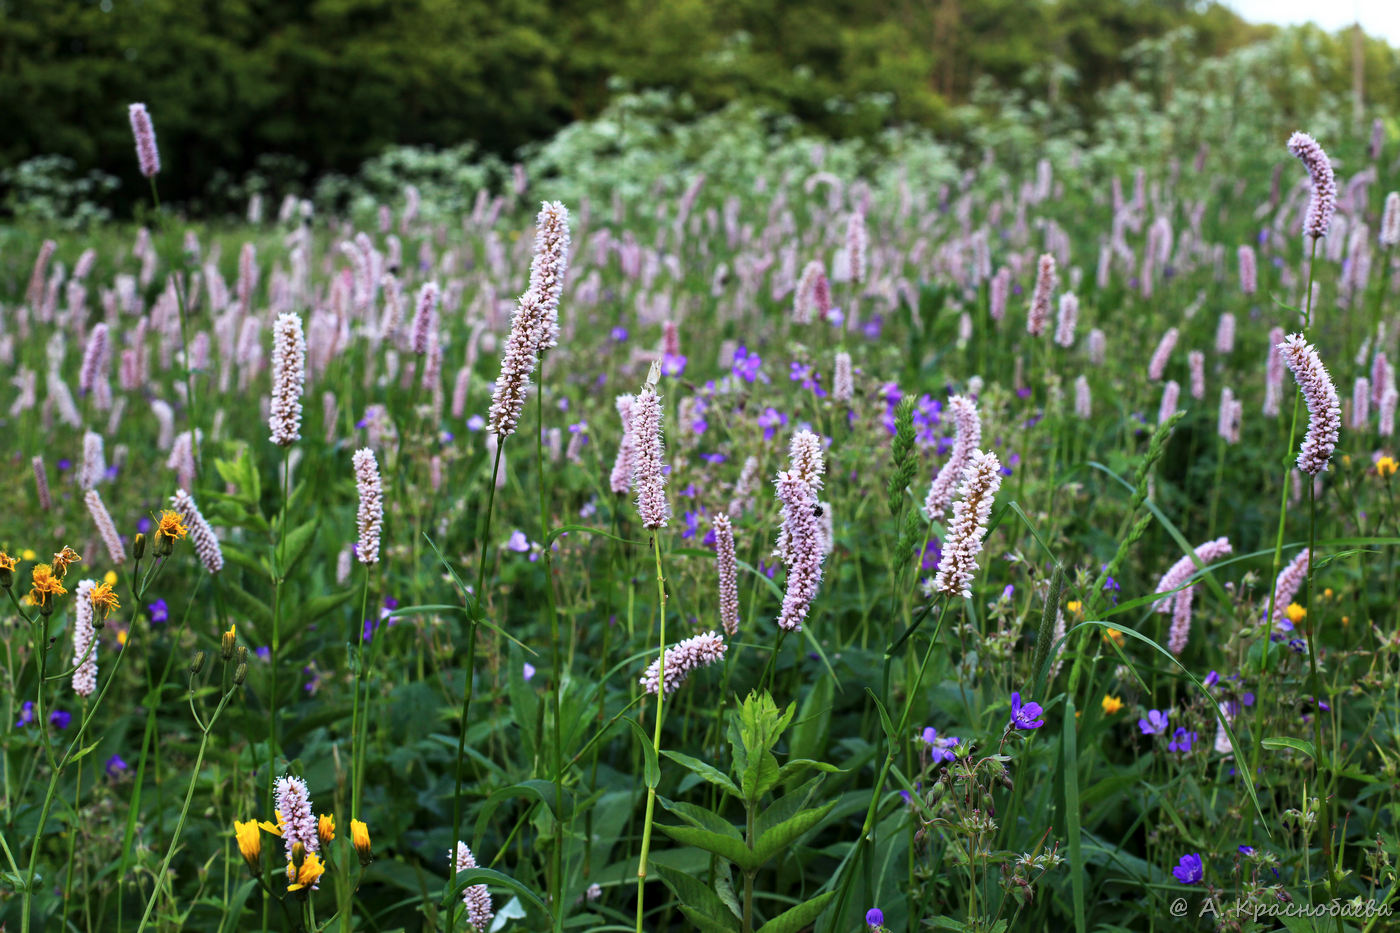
[(121, 638), (45, 585), (249, 841), (274, 828), (1111, 704), (110, 578), (1114, 635), (325, 828), (6, 561), (1327, 593), (1295, 613), (28, 554), (1386, 466), (307, 875), (171, 525), (359, 835), (62, 559), (104, 599)]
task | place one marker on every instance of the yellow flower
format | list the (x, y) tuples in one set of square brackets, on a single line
[(274, 828), (325, 828), (45, 585), (28, 554), (62, 559), (1074, 606), (1115, 635), (359, 834), (104, 599), (1386, 466), (1346, 459), (6, 561), (1295, 613), (305, 877), (110, 578), (1327, 593), (249, 842), (1111, 704), (121, 638), (171, 525)]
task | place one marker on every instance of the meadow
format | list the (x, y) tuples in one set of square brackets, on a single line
[(1020, 540)]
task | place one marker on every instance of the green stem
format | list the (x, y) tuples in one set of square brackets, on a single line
[(656, 734)]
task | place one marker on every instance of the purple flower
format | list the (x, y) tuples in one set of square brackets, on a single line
[(527, 671), (159, 611), (942, 748), (619, 334), (770, 420), (746, 364), (369, 629), (390, 602), (476, 423), (60, 718), (871, 328), (143, 525), (1181, 741), (1023, 716), (1190, 870), (1246, 850), (874, 918), (1212, 679), (518, 542), (1155, 723), (673, 364), (115, 765), (692, 524), (713, 458), (26, 714), (264, 652), (65, 464)]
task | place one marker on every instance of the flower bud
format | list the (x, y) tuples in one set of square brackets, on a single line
[(229, 643), (240, 655), (240, 674), (138, 545), (164, 545), (197, 663)]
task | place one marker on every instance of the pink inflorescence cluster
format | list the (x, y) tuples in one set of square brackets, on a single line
[(1320, 395), (681, 658), (958, 564), (1323, 203)]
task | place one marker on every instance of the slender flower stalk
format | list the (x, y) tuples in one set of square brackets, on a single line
[(648, 476), (1323, 203), (369, 519), (84, 640), (288, 379), (147, 155)]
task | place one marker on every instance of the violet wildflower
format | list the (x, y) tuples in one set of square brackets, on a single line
[(159, 610), (1156, 722), (60, 718), (770, 420), (1182, 741), (940, 747), (115, 766), (26, 714), (726, 570), (956, 568), (147, 155), (1024, 715), (1324, 407), (648, 476), (874, 918), (1323, 203), (369, 518), (745, 364), (288, 379), (681, 658), (1189, 870)]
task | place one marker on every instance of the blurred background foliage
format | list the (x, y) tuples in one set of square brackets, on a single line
[(252, 95)]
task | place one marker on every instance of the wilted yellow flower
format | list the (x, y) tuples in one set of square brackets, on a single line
[(1295, 613), (171, 525), (1115, 635), (104, 599), (1386, 466), (62, 559), (325, 828), (307, 875), (249, 842), (45, 585), (359, 834), (1111, 704)]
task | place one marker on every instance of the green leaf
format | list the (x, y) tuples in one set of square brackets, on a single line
[(786, 806), (258, 612), (294, 548), (653, 765), (556, 532), (317, 606), (82, 754), (704, 923), (536, 789), (706, 771), (722, 845), (809, 735), (798, 765), (1283, 741), (799, 917), (693, 893), (788, 832), (488, 876), (701, 818), (241, 558), (524, 705)]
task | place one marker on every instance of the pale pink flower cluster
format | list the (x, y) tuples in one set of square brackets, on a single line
[(1320, 395), (1225, 334), (621, 479), (1157, 367), (550, 264), (1171, 394), (1323, 203), (477, 897), (812, 297), (1249, 271), (41, 483), (967, 425), (288, 379), (1231, 416), (369, 519), (94, 461), (147, 155), (681, 658), (842, 383), (84, 634), (1273, 374), (425, 318), (648, 476), (800, 535), (106, 528), (294, 809), (1039, 314), (742, 498), (1390, 220), (1196, 361), (1181, 571), (958, 564), (1069, 317), (856, 246), (1083, 400), (1360, 403), (206, 545), (726, 569), (1290, 580)]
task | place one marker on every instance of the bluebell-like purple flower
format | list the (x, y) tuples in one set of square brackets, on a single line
[(476, 423), (115, 766), (26, 714), (1212, 679), (160, 612), (1155, 723), (871, 328), (874, 918), (527, 671), (673, 364), (518, 542), (1246, 850), (941, 747), (60, 718), (619, 334), (1181, 741), (692, 524), (746, 364), (713, 458), (1023, 715), (770, 421), (1190, 870)]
